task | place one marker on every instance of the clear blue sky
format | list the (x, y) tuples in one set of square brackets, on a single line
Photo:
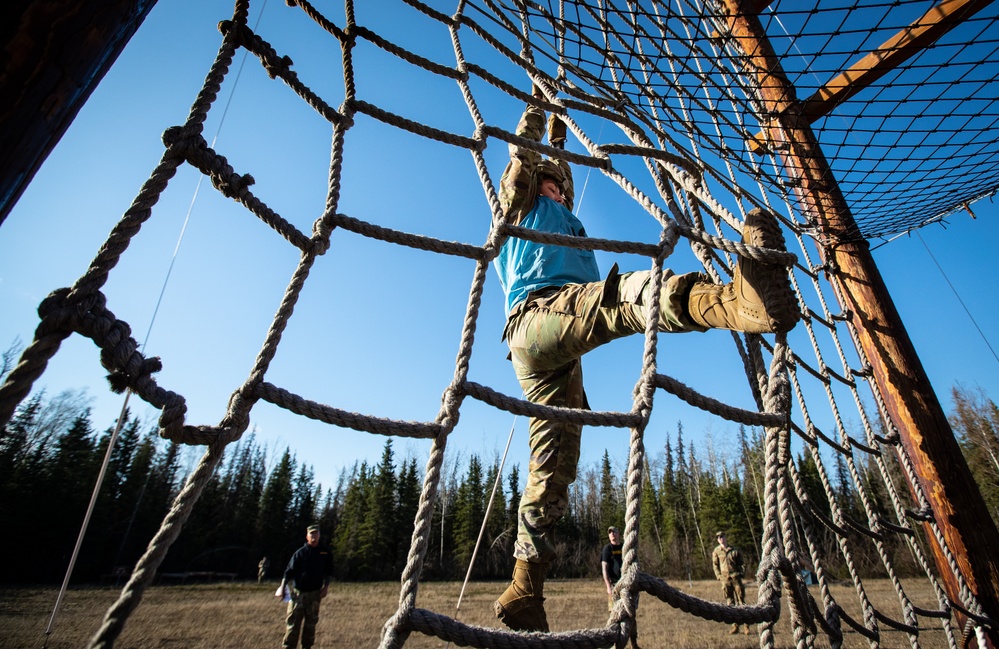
[(378, 326)]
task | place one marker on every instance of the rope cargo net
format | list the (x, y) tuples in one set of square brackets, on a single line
[(666, 79)]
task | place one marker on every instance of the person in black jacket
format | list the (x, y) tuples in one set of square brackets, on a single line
[(307, 579)]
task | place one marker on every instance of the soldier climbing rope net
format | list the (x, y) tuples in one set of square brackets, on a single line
[(669, 77)]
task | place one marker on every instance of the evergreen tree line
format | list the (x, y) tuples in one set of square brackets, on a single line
[(50, 456)]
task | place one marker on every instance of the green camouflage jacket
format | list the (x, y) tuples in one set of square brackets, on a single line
[(519, 184), (727, 563)]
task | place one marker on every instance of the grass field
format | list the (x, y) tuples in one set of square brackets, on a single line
[(243, 615)]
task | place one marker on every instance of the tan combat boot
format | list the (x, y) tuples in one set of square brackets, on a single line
[(734, 629), (759, 299), (522, 606)]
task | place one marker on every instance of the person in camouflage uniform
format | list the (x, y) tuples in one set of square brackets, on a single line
[(729, 570), (262, 567), (559, 307)]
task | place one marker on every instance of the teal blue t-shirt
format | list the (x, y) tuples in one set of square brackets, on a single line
[(526, 266)]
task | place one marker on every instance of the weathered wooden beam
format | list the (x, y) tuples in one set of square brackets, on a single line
[(957, 504), (922, 33), (53, 53)]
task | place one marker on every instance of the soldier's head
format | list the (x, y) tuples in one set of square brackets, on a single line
[(551, 181), (720, 537), (614, 535), (312, 535)]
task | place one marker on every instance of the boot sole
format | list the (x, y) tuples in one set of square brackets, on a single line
[(526, 619), (779, 299)]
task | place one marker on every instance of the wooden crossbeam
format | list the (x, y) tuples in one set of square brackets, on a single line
[(892, 53)]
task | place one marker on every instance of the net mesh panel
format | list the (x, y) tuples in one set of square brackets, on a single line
[(910, 149)]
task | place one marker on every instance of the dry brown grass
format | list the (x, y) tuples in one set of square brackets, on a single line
[(247, 616)]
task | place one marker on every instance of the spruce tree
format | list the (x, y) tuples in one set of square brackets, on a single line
[(140, 514), (668, 523), (815, 508), (245, 489), (108, 521), (513, 503), (278, 537), (649, 532), (303, 500), (377, 540), (14, 437), (20, 474), (611, 509), (409, 502), (685, 511), (346, 540), (468, 514), (493, 556), (71, 476)]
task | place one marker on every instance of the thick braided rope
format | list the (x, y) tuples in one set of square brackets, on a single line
[(683, 188), (909, 610), (969, 603), (145, 570), (877, 526)]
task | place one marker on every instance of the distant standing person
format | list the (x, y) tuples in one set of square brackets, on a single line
[(262, 567), (729, 570), (610, 564), (308, 577)]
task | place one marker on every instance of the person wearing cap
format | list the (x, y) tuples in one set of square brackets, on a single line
[(610, 566), (558, 307), (307, 577), (729, 570), (610, 563)]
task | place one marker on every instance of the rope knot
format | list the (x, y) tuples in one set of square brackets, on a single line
[(232, 184), (625, 585), (118, 378), (480, 134), (320, 245), (347, 110), (180, 137), (55, 301), (350, 35), (277, 68), (605, 161), (63, 309)]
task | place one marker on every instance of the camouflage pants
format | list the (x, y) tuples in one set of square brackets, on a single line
[(303, 615), (734, 591), (547, 334)]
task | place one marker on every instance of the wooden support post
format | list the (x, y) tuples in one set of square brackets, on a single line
[(54, 54), (958, 507)]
